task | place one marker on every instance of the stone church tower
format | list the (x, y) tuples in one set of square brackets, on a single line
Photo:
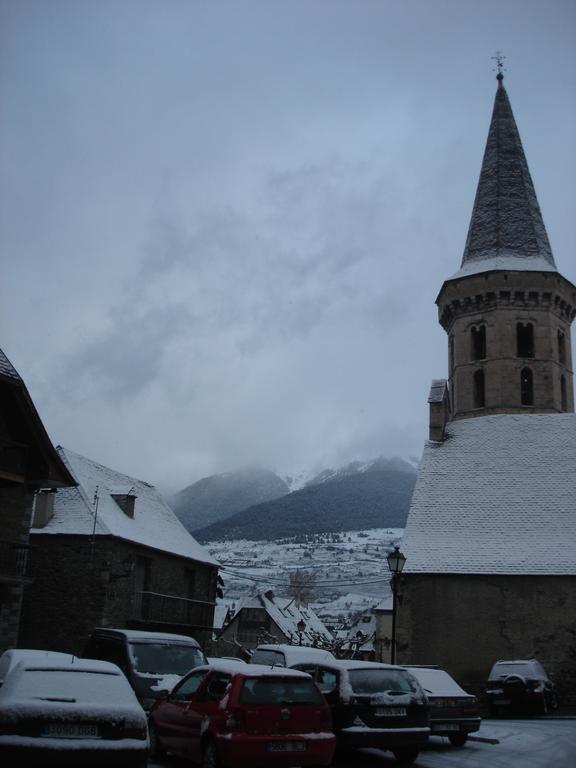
[(507, 311), (490, 540)]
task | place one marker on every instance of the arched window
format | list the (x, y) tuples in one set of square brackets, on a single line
[(561, 348), (526, 387), (563, 395), (478, 342), (479, 394), (525, 340)]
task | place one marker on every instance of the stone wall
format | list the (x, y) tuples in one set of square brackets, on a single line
[(15, 513), (465, 623), (78, 587)]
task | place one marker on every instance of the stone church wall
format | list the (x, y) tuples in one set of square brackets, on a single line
[(465, 623)]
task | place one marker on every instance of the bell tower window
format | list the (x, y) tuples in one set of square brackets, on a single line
[(561, 348), (526, 387), (478, 342), (563, 395), (525, 340), (479, 393)]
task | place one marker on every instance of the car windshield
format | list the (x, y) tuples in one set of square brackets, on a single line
[(277, 690), (166, 658), (368, 681)]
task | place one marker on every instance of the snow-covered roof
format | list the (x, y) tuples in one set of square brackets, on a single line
[(153, 524), (497, 496), (499, 261), (286, 614), (7, 369)]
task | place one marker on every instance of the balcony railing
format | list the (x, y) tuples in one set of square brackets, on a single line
[(169, 609), (14, 561)]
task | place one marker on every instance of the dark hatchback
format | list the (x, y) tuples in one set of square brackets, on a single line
[(521, 685), (453, 712), (374, 705)]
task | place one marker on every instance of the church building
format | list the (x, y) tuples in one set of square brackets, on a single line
[(490, 541)]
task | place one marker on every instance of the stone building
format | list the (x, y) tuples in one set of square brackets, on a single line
[(28, 461), (111, 553), (490, 540)]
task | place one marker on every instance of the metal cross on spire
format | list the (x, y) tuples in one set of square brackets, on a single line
[(499, 59)]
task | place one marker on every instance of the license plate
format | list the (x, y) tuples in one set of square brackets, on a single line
[(286, 746), (390, 711), (446, 727), (70, 731)]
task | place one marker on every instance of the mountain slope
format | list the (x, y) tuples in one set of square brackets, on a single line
[(216, 497), (376, 498)]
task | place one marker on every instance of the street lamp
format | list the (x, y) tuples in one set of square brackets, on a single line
[(396, 562)]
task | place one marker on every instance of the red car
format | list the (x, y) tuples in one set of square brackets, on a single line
[(245, 716)]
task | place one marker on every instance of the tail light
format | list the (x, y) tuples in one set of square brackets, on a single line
[(470, 707), (534, 684), (236, 720)]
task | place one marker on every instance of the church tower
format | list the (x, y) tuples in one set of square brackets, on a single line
[(508, 310)]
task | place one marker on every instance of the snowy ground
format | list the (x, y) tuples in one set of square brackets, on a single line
[(523, 744), (350, 568)]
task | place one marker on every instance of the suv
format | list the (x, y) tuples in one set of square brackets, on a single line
[(244, 715), (280, 655), (520, 684), (374, 705), (153, 662)]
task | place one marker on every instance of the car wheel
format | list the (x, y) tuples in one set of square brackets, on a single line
[(157, 751), (458, 739), (209, 756), (405, 756)]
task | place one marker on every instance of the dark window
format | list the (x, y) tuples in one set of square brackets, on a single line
[(188, 687), (279, 690), (479, 396), (561, 348), (525, 340), (216, 687), (526, 387), (380, 680), (478, 340), (563, 394), (450, 355)]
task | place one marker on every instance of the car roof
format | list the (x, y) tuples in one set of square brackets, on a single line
[(10, 658), (296, 653), (250, 670), (436, 681), (142, 636), (68, 664)]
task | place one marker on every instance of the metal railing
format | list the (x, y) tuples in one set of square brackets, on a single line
[(170, 609), (14, 560)]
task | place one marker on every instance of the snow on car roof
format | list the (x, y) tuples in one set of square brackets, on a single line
[(298, 653), (139, 635), (437, 682), (251, 670)]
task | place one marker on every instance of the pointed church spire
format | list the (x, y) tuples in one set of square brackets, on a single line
[(506, 229)]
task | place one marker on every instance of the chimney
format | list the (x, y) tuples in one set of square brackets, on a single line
[(44, 508)]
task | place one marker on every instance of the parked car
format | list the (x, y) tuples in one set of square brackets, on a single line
[(288, 655), (374, 705), (520, 685), (453, 712), (244, 716), (10, 658), (71, 712), (153, 662)]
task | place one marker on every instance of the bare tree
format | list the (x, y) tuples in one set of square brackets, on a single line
[(302, 586)]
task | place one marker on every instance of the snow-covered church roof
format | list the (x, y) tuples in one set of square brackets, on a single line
[(497, 496), (91, 507)]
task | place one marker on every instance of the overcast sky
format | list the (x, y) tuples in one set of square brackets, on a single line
[(223, 224)]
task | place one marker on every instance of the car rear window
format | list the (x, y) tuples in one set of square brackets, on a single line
[(514, 668), (278, 690), (381, 680), (274, 658), (165, 658)]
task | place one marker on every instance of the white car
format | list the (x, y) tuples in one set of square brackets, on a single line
[(73, 710), (282, 655)]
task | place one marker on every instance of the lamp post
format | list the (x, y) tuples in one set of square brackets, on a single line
[(396, 562)]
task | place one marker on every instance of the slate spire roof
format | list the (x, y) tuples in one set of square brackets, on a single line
[(506, 222)]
